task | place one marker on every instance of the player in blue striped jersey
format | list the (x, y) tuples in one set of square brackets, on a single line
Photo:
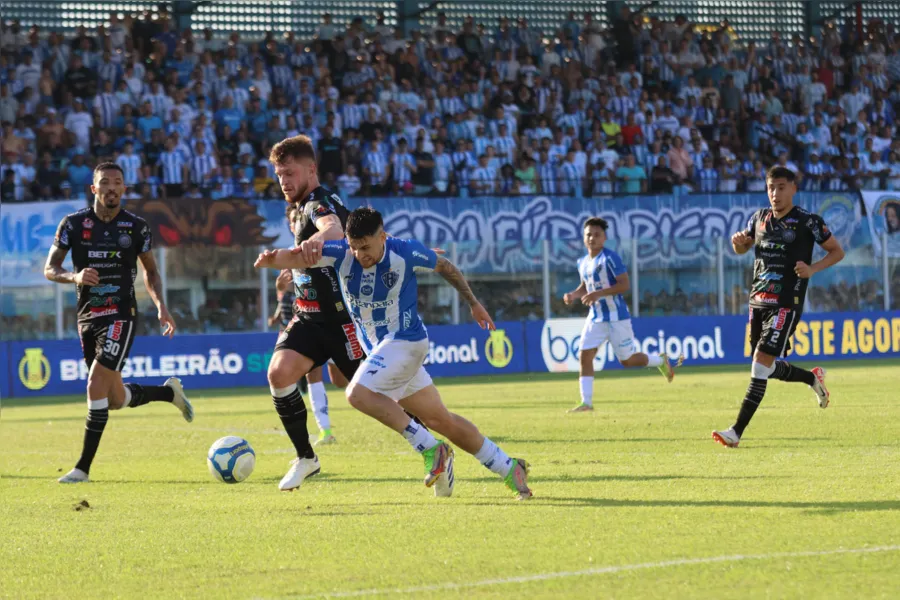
[(378, 277), (604, 279)]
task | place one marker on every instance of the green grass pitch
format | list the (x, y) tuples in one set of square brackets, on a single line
[(633, 501)]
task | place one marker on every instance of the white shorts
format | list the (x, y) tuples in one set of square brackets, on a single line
[(394, 368), (617, 333)]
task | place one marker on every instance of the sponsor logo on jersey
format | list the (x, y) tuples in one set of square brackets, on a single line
[(374, 305), (770, 277), (307, 306), (125, 240), (307, 294), (366, 290), (407, 319), (339, 306), (104, 266), (781, 319), (104, 254), (86, 234), (354, 348), (104, 301), (87, 224), (102, 290), (63, 237), (104, 311), (390, 279), (774, 288), (125, 224), (765, 298), (418, 254), (34, 369), (303, 279), (115, 331), (771, 246)]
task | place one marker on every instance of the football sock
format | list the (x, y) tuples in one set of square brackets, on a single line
[(419, 437), (654, 360), (319, 401), (303, 385), (292, 411), (98, 415), (759, 378), (416, 419), (784, 371), (139, 395), (494, 458), (587, 389)]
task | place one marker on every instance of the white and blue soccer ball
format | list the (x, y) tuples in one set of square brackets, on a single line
[(231, 459)]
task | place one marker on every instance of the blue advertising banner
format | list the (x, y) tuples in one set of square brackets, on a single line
[(56, 367), (710, 340), (26, 234)]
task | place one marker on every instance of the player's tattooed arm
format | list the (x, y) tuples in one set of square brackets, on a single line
[(54, 270), (329, 228), (454, 277)]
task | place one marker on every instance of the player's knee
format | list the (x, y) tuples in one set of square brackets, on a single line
[(98, 387), (358, 397), (279, 377)]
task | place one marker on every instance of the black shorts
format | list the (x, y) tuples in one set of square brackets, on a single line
[(771, 329), (107, 342), (321, 341)]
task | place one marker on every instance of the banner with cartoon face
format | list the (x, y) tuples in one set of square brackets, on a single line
[(884, 218)]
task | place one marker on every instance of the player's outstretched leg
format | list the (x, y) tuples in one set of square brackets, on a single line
[(286, 367), (318, 398), (760, 372), (171, 391), (815, 379), (659, 361), (427, 405)]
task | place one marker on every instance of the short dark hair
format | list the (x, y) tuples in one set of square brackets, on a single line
[(363, 222), (596, 222), (779, 172), (108, 166), (297, 147)]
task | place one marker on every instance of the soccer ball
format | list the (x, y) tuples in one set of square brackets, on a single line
[(231, 459)]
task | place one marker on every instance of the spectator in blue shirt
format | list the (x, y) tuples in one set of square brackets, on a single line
[(632, 177)]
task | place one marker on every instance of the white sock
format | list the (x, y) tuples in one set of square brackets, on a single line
[(319, 400), (493, 458), (127, 397), (419, 437), (587, 390), (654, 360)]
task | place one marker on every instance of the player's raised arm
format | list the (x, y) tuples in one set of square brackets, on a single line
[(454, 277)]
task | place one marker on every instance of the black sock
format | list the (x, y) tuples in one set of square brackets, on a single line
[(784, 371), (754, 396), (292, 411), (93, 431), (142, 394), (303, 385)]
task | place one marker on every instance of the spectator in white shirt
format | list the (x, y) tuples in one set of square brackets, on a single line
[(80, 122), (349, 183), (131, 165)]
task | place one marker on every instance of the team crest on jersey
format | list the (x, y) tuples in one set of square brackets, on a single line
[(390, 279), (789, 235), (87, 224), (125, 241)]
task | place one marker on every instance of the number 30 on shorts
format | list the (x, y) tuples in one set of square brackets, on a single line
[(112, 348)]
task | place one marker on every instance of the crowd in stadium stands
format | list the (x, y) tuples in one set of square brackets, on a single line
[(641, 107)]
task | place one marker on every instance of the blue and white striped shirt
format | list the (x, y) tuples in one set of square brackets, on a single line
[(131, 167), (383, 299), (172, 165), (601, 272), (375, 162), (201, 167), (399, 170)]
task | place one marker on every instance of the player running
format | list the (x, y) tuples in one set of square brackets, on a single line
[(783, 238), (312, 382), (378, 277), (321, 328), (603, 281), (107, 243)]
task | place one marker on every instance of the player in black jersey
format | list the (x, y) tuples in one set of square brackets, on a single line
[(321, 328), (107, 243), (313, 382), (783, 238)]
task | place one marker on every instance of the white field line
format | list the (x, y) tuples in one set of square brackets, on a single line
[(596, 571)]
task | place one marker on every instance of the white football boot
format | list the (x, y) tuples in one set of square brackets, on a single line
[(728, 438), (74, 476), (179, 399), (443, 487), (819, 388), (301, 468)]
